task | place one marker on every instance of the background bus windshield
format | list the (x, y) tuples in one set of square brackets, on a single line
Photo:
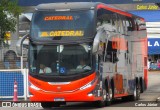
[(62, 25)]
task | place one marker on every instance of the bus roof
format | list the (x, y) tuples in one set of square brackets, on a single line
[(67, 5), (82, 5)]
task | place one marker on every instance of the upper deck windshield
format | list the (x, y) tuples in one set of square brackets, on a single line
[(62, 25), (60, 59)]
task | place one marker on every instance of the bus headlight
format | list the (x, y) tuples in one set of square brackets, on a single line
[(34, 87), (88, 85)]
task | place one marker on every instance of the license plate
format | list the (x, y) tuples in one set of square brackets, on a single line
[(59, 99)]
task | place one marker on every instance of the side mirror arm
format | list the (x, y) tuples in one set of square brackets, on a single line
[(19, 45)]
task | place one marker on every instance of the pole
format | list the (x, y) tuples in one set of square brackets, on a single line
[(22, 58)]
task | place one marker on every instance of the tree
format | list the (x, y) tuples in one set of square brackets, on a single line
[(9, 12)]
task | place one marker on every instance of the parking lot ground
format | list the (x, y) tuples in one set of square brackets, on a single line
[(153, 90)]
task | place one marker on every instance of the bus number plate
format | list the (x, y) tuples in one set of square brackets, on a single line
[(59, 99)]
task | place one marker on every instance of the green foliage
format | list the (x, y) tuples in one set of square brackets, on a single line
[(9, 11)]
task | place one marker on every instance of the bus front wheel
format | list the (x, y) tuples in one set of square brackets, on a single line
[(101, 103)]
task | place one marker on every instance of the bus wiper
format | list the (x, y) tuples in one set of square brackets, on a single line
[(34, 74), (57, 38)]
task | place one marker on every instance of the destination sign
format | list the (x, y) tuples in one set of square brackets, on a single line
[(75, 33), (56, 18)]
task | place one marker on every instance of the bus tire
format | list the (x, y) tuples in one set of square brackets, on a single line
[(142, 85), (112, 88), (136, 94), (101, 103), (109, 98), (110, 92)]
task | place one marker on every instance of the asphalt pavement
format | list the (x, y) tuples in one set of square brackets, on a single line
[(150, 95), (153, 90)]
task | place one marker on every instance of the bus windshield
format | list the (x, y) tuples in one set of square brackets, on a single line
[(62, 25), (60, 59)]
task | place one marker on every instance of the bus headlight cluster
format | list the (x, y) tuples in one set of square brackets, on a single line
[(88, 85), (34, 87)]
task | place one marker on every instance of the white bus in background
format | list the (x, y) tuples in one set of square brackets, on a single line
[(9, 50)]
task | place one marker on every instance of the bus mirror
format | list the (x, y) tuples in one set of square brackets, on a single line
[(141, 27), (19, 45), (141, 24)]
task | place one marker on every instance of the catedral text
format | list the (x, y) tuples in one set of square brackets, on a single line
[(49, 18), (77, 33)]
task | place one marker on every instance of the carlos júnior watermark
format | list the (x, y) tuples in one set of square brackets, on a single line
[(146, 104)]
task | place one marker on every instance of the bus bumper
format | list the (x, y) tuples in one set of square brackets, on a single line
[(89, 94)]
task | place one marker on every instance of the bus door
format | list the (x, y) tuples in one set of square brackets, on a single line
[(139, 64), (138, 58)]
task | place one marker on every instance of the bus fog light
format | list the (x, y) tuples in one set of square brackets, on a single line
[(30, 95), (88, 85), (90, 94)]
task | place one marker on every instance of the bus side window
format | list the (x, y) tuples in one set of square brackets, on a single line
[(105, 17), (114, 22), (110, 53), (129, 24), (120, 24), (125, 27)]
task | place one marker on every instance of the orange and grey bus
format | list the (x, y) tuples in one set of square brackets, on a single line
[(112, 44)]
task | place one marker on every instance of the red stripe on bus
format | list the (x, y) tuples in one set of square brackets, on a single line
[(146, 77), (114, 10), (120, 95)]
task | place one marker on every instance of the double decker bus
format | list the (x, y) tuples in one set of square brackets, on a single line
[(111, 42)]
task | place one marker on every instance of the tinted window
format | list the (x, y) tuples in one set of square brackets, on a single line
[(107, 17)]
